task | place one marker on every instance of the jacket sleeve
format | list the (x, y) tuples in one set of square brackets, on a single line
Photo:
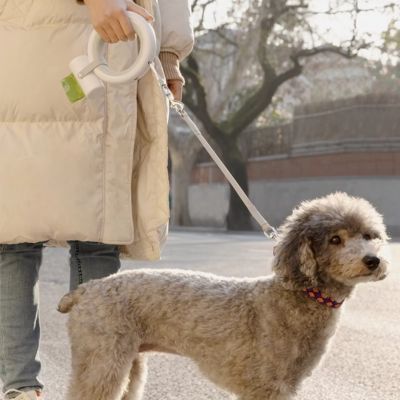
[(170, 64), (176, 27)]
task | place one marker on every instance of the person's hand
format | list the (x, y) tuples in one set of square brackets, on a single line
[(110, 20), (176, 87)]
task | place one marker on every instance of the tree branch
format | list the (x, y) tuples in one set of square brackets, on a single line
[(221, 34), (250, 110), (256, 103), (331, 11), (204, 6), (194, 5), (304, 53), (291, 73), (297, 68), (292, 7), (260, 100), (199, 107)]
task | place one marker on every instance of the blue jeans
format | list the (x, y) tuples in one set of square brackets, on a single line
[(19, 302)]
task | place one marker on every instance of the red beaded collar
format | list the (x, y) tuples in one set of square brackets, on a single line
[(315, 294)]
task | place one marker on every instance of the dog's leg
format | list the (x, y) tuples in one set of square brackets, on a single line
[(274, 397), (264, 395), (137, 378), (100, 374)]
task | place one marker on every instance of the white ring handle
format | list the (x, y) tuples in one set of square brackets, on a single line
[(147, 52)]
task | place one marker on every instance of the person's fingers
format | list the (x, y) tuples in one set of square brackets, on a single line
[(111, 20), (110, 32), (103, 34), (176, 87), (140, 10), (117, 28), (127, 27)]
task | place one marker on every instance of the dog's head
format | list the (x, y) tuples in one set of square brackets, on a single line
[(336, 238)]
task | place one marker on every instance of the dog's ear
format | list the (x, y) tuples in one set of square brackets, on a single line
[(308, 264), (286, 258), (294, 261)]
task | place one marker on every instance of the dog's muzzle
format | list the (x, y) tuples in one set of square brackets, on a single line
[(371, 262)]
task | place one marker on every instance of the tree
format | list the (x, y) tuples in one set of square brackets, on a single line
[(388, 72), (183, 148), (264, 47)]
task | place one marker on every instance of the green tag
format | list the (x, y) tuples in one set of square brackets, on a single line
[(72, 88)]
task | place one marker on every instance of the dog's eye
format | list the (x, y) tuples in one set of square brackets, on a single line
[(367, 236), (335, 240)]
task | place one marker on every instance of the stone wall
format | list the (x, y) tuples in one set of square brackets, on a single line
[(363, 164), (208, 203)]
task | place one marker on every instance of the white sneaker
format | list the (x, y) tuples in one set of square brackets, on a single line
[(20, 395)]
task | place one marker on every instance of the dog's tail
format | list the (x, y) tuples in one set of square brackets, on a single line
[(69, 300)]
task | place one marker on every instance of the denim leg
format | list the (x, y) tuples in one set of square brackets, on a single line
[(92, 260), (19, 315)]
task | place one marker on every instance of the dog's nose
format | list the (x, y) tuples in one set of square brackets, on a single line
[(371, 262)]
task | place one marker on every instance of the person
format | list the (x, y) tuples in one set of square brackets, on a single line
[(97, 183)]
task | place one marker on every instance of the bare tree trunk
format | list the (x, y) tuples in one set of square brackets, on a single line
[(183, 149), (181, 178), (238, 217)]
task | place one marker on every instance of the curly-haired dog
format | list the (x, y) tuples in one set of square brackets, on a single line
[(255, 337)]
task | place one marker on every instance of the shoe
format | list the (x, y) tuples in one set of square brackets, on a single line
[(15, 394)]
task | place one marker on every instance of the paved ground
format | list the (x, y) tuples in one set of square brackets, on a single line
[(362, 364)]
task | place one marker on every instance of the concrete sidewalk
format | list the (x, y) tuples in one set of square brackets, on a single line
[(363, 362)]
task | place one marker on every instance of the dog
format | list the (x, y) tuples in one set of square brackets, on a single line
[(257, 338)]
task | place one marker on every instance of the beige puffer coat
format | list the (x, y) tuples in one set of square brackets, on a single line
[(67, 172)]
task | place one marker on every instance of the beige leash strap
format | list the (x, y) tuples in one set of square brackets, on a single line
[(178, 106)]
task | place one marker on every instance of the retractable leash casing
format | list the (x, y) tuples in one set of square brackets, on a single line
[(89, 71)]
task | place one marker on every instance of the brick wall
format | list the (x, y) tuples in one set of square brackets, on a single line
[(361, 164)]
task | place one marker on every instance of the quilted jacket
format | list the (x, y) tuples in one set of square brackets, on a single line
[(68, 172)]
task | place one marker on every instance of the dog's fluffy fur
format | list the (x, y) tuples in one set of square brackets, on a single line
[(255, 337)]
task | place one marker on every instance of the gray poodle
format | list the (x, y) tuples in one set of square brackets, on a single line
[(255, 337)]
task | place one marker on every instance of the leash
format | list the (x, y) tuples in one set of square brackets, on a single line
[(90, 70), (268, 230)]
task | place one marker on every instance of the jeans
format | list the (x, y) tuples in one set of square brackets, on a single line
[(19, 302)]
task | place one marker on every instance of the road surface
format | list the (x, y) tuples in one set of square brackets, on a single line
[(363, 362)]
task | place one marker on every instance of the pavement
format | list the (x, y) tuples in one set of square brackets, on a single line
[(363, 361)]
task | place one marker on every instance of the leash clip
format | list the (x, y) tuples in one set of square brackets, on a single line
[(178, 106), (270, 232)]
